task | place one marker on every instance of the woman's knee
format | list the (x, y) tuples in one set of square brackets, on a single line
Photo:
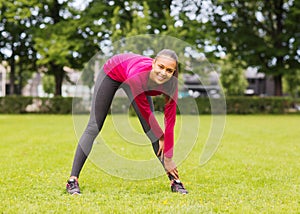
[(92, 129)]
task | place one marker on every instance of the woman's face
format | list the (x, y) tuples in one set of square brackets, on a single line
[(163, 68)]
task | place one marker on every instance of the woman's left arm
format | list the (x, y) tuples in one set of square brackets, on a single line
[(170, 119)]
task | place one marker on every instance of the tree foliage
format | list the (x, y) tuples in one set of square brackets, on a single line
[(60, 40), (264, 34), (16, 43), (49, 84), (233, 78), (52, 34)]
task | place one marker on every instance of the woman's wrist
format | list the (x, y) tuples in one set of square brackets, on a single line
[(167, 159)]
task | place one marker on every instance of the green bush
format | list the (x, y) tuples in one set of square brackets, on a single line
[(14, 104), (59, 105), (234, 105), (20, 104), (258, 105)]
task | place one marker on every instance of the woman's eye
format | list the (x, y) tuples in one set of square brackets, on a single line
[(161, 66)]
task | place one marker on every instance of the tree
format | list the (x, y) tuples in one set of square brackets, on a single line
[(141, 17), (63, 39), (159, 10), (264, 34), (52, 40), (138, 25), (49, 84), (292, 81), (16, 44), (232, 77)]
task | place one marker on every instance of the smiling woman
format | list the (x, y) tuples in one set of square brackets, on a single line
[(163, 69), (141, 77), (164, 66)]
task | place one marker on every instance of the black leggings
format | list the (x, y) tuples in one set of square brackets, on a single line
[(105, 89)]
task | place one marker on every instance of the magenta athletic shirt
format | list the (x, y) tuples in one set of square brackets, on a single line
[(133, 70)]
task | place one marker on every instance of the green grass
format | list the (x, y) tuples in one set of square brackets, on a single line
[(255, 170)]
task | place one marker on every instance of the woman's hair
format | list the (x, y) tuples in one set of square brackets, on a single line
[(172, 84)]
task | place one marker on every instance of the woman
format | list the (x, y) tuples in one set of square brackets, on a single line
[(141, 77)]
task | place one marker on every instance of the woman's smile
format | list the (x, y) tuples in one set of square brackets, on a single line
[(163, 69)]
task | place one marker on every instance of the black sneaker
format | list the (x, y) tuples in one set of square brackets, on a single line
[(73, 186), (177, 186)]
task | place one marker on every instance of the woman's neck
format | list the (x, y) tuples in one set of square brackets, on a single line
[(151, 84)]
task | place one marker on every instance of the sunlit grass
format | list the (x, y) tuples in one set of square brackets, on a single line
[(255, 170)]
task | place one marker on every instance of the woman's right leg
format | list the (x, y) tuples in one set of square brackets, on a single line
[(105, 89), (145, 126)]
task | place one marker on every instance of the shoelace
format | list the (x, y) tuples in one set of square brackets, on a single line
[(179, 185), (72, 184)]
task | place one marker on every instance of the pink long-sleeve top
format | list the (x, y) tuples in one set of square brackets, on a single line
[(133, 70)]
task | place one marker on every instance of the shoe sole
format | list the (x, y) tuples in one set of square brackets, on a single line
[(76, 193), (182, 193)]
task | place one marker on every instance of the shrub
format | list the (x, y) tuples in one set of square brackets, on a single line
[(14, 104), (234, 105)]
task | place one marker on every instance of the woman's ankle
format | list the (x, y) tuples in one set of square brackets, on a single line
[(73, 177)]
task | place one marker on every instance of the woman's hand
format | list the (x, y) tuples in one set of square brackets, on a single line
[(160, 151), (170, 167), (169, 164)]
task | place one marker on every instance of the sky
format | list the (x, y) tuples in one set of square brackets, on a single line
[(80, 4)]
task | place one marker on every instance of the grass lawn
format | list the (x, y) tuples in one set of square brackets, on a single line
[(255, 170)]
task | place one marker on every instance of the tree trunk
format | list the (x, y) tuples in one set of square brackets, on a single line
[(20, 82), (278, 85), (12, 75), (278, 44), (59, 76)]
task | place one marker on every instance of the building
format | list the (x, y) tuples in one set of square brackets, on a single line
[(200, 86), (259, 84)]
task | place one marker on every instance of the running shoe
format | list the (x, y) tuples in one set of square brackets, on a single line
[(177, 186), (73, 186)]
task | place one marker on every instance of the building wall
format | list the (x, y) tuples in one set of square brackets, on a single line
[(262, 86), (2, 81), (270, 86)]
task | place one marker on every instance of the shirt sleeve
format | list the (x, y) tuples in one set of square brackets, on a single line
[(170, 119)]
